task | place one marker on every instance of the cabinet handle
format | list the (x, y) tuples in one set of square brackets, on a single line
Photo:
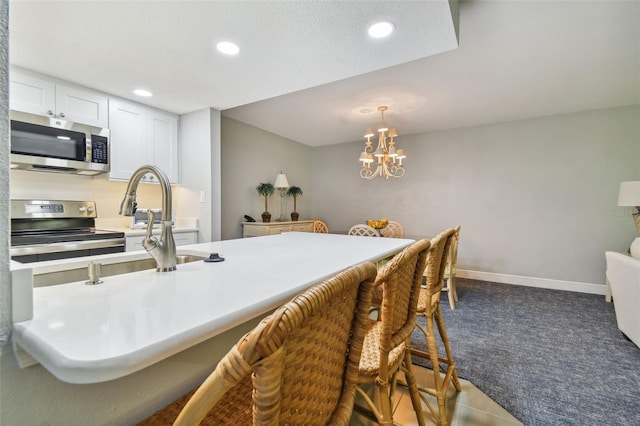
[(62, 114), (49, 112)]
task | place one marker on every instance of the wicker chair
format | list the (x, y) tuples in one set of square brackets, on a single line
[(449, 277), (393, 230), (320, 226), (386, 348), (450, 270), (298, 366), (429, 308), (363, 230)]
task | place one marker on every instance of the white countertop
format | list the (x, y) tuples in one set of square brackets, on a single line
[(90, 334)]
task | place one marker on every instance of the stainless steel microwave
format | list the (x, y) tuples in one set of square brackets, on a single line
[(57, 145)]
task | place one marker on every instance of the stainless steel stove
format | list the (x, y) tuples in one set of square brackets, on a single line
[(57, 229)]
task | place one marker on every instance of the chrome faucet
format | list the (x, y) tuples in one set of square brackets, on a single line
[(163, 250)]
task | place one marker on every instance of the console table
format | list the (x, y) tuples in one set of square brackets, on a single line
[(258, 229)]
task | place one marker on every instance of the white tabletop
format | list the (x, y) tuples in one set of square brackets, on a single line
[(89, 334)]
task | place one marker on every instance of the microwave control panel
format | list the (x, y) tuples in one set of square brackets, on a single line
[(99, 149)]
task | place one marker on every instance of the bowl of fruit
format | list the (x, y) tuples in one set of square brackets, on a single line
[(378, 224)]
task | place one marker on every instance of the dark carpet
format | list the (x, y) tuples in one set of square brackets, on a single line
[(548, 357)]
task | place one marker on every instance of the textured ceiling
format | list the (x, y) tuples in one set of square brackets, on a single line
[(307, 69), (168, 46)]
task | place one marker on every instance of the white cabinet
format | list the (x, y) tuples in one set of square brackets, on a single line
[(182, 238), (129, 147), (258, 229), (140, 136), (36, 95)]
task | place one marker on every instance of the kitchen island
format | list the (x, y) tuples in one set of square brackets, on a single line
[(156, 335)]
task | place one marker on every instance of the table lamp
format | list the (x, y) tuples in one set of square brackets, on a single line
[(281, 184), (629, 196)]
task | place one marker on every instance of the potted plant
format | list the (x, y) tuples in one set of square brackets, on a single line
[(266, 190), (295, 192)]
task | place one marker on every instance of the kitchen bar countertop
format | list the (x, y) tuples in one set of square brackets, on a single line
[(95, 333)]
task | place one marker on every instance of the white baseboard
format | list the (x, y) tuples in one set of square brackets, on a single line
[(533, 281)]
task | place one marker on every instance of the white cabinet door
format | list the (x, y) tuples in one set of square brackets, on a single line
[(164, 142), (39, 96), (129, 147), (31, 94), (81, 106), (141, 136)]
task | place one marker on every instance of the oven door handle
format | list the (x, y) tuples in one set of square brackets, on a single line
[(66, 246)]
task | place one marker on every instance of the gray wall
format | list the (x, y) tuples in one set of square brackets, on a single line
[(251, 156), (535, 198)]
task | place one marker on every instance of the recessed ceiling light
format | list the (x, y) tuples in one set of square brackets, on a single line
[(381, 29), (228, 48), (143, 93)]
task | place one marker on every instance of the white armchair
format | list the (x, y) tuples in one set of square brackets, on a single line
[(623, 277)]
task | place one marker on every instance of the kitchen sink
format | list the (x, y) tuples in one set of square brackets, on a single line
[(107, 270)]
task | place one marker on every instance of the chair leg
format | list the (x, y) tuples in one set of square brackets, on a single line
[(437, 379), (386, 410), (450, 293), (452, 285), (413, 386), (451, 368)]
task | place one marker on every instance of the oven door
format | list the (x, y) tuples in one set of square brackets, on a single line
[(66, 250)]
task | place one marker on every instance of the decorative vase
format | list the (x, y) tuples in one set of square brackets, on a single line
[(295, 216), (266, 217)]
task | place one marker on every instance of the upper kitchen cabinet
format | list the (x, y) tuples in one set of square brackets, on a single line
[(37, 95), (139, 136)]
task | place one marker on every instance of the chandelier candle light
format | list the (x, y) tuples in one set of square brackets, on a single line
[(281, 184), (389, 159)]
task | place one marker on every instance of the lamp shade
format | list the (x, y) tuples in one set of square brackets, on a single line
[(281, 181), (629, 194)]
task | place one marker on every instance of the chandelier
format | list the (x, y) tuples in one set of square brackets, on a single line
[(388, 159)]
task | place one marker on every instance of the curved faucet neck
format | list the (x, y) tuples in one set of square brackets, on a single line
[(126, 207)]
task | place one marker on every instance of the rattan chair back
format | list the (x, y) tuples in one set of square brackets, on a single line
[(393, 230), (450, 270), (436, 266), (453, 253), (363, 231), (320, 226), (386, 349), (400, 279), (298, 366), (429, 309)]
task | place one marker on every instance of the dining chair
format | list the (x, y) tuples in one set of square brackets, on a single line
[(429, 309), (320, 226), (297, 366), (450, 270), (363, 230), (386, 349), (393, 230), (449, 277)]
